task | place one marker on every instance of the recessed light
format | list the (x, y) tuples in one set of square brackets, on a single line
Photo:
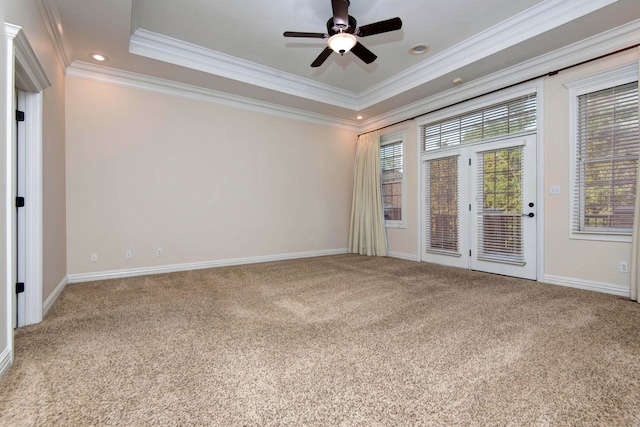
[(98, 57), (419, 49), (359, 117), (457, 80)]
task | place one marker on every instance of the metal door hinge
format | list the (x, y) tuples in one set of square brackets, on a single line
[(19, 116), (19, 288), (19, 202)]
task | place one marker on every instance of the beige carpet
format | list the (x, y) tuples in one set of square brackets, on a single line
[(332, 341)]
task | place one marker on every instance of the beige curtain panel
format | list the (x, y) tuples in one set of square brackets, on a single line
[(635, 238), (367, 233)]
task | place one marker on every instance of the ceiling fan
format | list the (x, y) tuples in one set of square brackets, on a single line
[(342, 30)]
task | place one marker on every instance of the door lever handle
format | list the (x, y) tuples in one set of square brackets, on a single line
[(530, 214)]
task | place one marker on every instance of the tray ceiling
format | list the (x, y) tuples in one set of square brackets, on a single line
[(237, 48)]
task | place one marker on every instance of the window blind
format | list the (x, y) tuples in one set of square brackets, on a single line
[(442, 193), (514, 116), (607, 148)]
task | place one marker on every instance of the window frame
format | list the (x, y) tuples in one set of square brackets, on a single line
[(605, 80), (394, 138)]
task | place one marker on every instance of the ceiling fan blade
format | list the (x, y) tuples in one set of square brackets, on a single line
[(322, 57), (380, 27), (363, 53), (308, 35), (340, 12)]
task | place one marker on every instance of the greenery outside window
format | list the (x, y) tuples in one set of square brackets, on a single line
[(392, 177)]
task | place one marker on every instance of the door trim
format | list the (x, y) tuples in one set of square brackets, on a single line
[(24, 72)]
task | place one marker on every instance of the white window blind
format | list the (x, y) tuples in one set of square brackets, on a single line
[(514, 116), (607, 148), (500, 206), (442, 194), (391, 162)]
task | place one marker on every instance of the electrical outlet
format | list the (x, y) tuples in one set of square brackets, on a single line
[(128, 254), (94, 257), (310, 242), (554, 189), (624, 267), (159, 252)]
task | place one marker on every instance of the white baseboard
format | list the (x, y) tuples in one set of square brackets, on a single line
[(588, 285), (54, 296), (145, 271), (5, 361), (401, 255)]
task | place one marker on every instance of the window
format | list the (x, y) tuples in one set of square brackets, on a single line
[(442, 194), (512, 117), (606, 145), (392, 176)]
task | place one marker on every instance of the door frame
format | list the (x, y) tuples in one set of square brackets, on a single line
[(479, 101), (467, 169), (24, 73)]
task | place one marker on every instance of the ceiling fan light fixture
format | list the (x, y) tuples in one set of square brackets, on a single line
[(342, 30), (342, 42)]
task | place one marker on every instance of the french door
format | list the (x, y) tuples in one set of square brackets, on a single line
[(479, 207)]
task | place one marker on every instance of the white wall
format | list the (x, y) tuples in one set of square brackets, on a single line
[(201, 181)]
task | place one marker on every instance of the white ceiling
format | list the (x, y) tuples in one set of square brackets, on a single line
[(237, 47)]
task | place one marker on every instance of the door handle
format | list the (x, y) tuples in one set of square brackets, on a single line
[(530, 214)]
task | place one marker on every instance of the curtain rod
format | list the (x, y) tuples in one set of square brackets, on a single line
[(551, 73)]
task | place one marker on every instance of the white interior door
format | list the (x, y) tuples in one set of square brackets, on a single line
[(479, 207)]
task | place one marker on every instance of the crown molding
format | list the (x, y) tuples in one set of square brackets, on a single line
[(30, 76), (609, 41), (53, 21), (178, 52), (619, 38), (136, 15), (530, 23), (132, 80)]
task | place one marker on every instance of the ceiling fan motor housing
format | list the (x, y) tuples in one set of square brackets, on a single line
[(335, 29)]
